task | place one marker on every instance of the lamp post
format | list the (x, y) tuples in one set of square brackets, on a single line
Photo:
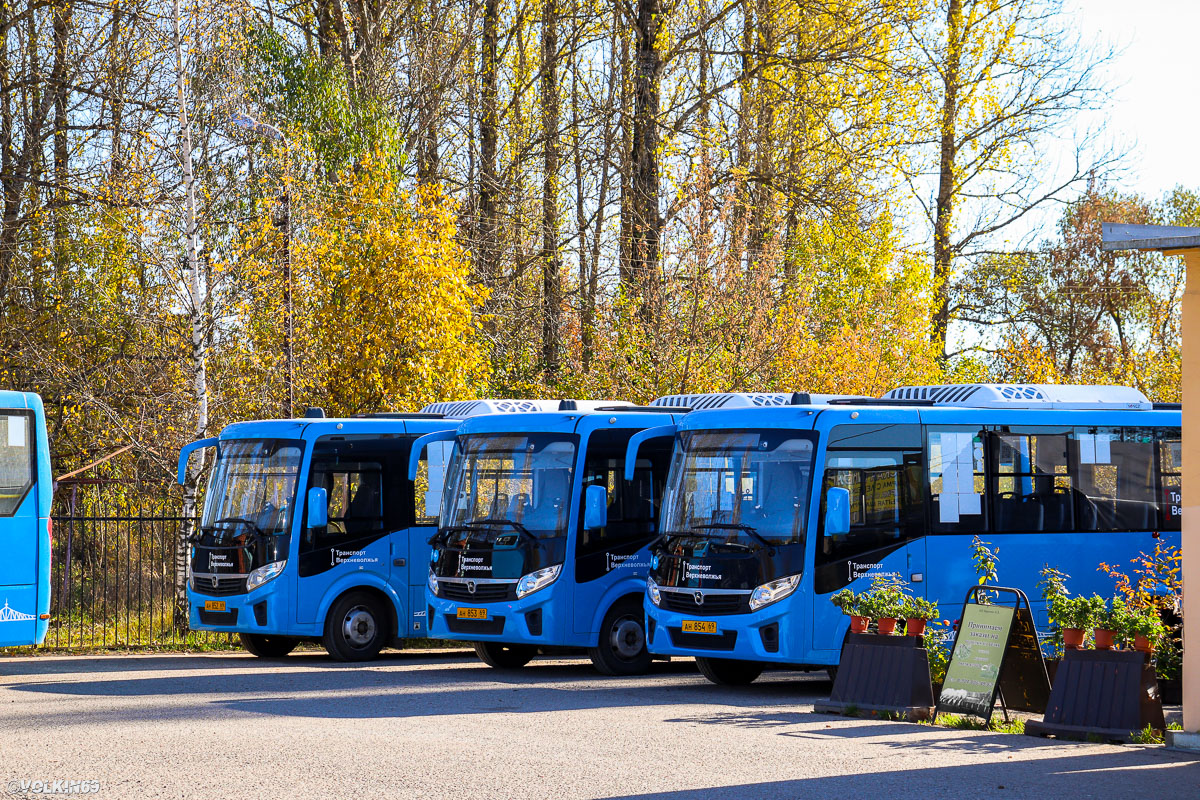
[(243, 126)]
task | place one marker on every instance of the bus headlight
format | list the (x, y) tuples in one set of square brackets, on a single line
[(652, 590), (538, 580), (433, 583), (773, 591), (266, 572)]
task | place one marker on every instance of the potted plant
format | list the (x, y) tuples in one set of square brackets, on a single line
[(889, 605), (1074, 615), (918, 611), (851, 605), (1108, 621), (1147, 628)]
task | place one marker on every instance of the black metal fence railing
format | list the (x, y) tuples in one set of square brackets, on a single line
[(112, 583)]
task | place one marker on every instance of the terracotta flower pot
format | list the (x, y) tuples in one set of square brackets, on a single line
[(1104, 639), (887, 626), (914, 626), (1143, 644), (859, 624), (1073, 638)]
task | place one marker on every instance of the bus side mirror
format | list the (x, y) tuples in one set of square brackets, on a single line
[(318, 508), (837, 511), (595, 507)]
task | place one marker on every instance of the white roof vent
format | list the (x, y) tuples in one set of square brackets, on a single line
[(461, 409), (1025, 395)]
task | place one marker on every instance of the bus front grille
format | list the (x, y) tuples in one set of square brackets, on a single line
[(712, 605), (218, 585), (703, 641), (485, 627), (484, 592)]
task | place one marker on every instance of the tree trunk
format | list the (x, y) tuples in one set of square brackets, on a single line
[(61, 13), (943, 248), (551, 265), (644, 186), (489, 186), (196, 312)]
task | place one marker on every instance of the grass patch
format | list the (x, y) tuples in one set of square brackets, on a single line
[(969, 723)]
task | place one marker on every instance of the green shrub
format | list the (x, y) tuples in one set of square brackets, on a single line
[(1076, 612)]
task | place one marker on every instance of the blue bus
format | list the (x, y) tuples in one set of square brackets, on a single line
[(770, 511), (26, 491), (312, 530), (543, 536)]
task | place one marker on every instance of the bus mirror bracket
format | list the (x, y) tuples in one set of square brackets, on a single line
[(837, 511), (595, 507), (635, 441), (186, 453), (418, 447), (318, 508)]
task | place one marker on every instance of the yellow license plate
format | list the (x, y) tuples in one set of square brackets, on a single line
[(472, 613), (214, 605), (699, 626)]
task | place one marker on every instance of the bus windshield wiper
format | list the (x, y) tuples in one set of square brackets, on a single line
[(733, 526), (493, 521), (248, 522), (697, 534)]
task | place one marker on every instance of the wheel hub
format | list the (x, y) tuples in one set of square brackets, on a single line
[(628, 639), (359, 626)]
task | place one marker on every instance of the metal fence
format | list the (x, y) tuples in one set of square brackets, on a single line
[(112, 580)]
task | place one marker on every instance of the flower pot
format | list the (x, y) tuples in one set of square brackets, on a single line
[(1073, 638), (1104, 639), (914, 626), (887, 626), (859, 624), (1143, 644)]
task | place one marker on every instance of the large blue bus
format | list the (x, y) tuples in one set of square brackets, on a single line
[(312, 530), (543, 536), (26, 491), (770, 511)]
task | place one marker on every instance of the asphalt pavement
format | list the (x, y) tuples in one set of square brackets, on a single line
[(430, 725)]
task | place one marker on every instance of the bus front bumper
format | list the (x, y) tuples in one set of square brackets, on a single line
[(772, 634), (263, 610), (535, 619)]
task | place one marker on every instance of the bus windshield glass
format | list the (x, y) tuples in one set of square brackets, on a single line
[(253, 486), (510, 483), (16, 459), (740, 485)]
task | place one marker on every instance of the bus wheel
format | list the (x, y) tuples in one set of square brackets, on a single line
[(622, 647), (504, 656), (355, 628), (729, 671), (268, 646)]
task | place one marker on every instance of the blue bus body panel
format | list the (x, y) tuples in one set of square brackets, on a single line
[(25, 538), (938, 566), (571, 612), (291, 605)]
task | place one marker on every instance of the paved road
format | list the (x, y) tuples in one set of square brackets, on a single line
[(416, 725)]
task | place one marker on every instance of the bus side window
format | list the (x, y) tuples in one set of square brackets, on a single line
[(1032, 488), (431, 479), (1170, 478), (1115, 479), (882, 472), (355, 492), (16, 460), (632, 505), (955, 479)]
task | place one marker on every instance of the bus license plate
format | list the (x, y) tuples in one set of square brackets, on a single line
[(214, 605), (472, 613), (699, 626)]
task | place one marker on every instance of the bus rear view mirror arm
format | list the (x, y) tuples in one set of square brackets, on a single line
[(635, 441), (595, 507), (186, 453), (414, 457), (837, 511)]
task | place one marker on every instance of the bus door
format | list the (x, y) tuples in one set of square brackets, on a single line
[(605, 554), (879, 467), (411, 567), (365, 491), (19, 527)]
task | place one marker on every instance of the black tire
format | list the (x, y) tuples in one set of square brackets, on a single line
[(504, 656), (622, 646), (356, 627), (729, 671), (265, 646)]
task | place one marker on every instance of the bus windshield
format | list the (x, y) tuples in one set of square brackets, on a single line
[(739, 485), (253, 486), (518, 482)]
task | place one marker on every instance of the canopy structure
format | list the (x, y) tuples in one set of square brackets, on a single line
[(1181, 241)]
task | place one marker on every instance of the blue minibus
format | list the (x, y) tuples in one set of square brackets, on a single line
[(312, 530), (26, 491), (543, 535), (769, 511)]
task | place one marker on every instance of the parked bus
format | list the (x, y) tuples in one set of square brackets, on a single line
[(26, 491), (311, 530), (542, 541), (770, 511)]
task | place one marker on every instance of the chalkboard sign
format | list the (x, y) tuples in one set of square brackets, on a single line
[(995, 650)]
